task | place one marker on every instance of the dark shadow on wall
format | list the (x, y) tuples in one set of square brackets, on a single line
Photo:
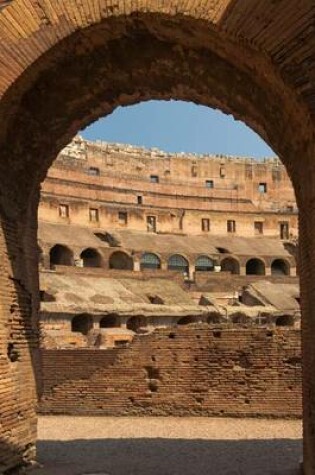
[(170, 457)]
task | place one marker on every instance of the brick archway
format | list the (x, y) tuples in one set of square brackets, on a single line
[(65, 64)]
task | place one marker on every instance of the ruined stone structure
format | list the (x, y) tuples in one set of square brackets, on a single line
[(132, 239), (64, 64), (186, 371)]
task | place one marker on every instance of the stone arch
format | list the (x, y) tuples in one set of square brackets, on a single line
[(214, 318), (178, 263), (136, 323), (120, 260), (285, 321), (82, 324), (91, 258), (109, 321), (204, 264), (280, 267), (131, 51), (255, 266), (240, 318), (150, 260), (230, 264), (60, 255), (187, 320)]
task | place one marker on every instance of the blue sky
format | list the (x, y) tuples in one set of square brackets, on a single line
[(176, 126)]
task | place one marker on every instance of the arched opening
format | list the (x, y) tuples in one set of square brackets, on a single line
[(150, 261), (102, 77), (229, 264), (240, 319), (109, 321), (136, 323), (60, 256), (91, 258), (255, 267), (204, 264), (285, 321), (280, 267), (82, 324), (178, 263), (121, 261), (186, 320), (214, 318)]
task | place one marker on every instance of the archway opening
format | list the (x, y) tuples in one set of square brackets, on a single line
[(150, 261), (280, 267), (204, 264), (285, 321), (82, 324), (240, 319), (230, 265), (60, 256), (187, 320), (121, 261), (136, 324), (178, 263), (255, 267), (91, 258), (138, 60), (214, 318), (109, 321)]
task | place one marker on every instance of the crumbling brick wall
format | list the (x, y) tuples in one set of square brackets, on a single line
[(185, 371)]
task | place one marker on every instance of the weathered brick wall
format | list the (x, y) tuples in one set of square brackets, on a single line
[(186, 371)]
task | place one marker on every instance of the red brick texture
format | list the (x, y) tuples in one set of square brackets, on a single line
[(185, 371), (64, 64)]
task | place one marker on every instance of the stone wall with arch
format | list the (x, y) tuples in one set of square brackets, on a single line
[(102, 56)]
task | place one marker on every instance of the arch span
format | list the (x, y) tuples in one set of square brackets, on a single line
[(280, 267), (120, 260), (255, 266), (151, 261), (178, 263), (109, 321), (204, 264), (65, 64), (60, 255), (230, 264), (91, 258), (82, 324)]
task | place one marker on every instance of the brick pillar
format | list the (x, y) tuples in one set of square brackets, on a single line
[(307, 280), (19, 361)]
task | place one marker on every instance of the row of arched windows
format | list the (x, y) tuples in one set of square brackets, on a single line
[(62, 255), (84, 323)]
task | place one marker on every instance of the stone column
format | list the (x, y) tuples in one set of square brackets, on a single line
[(136, 265), (306, 202), (19, 355)]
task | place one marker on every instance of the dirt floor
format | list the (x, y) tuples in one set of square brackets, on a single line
[(168, 446)]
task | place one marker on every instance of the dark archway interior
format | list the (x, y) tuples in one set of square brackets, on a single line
[(121, 261), (214, 318), (135, 323), (109, 321), (285, 321), (82, 324), (230, 265), (91, 258), (61, 255), (240, 318), (279, 267), (255, 267), (186, 320)]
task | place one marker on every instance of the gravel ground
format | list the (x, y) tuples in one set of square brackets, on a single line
[(168, 446)]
